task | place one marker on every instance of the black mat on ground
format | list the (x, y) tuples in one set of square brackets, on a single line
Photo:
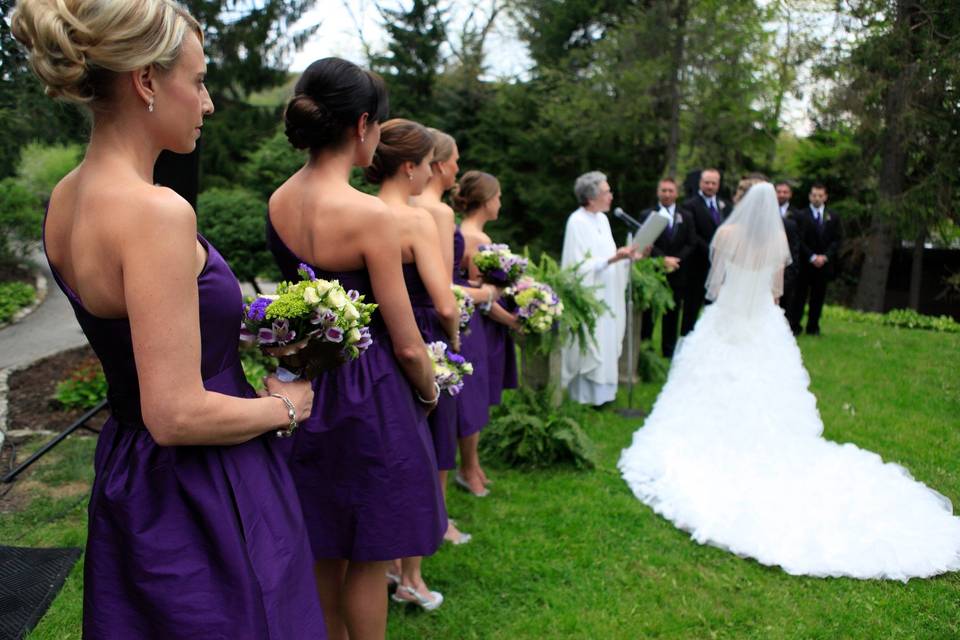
[(29, 580)]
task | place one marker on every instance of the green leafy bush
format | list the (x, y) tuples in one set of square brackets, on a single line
[(904, 318), (41, 166), (650, 288), (234, 221), (581, 306), (651, 366), (528, 431), (84, 388), (13, 297), (255, 366), (271, 163), (21, 214)]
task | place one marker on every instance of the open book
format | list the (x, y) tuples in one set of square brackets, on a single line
[(651, 229)]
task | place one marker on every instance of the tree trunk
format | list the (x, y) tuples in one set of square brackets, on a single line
[(916, 271), (878, 252), (676, 63)]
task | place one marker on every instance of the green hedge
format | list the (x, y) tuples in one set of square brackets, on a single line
[(13, 297), (905, 318)]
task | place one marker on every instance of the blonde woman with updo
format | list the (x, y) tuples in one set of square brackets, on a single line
[(477, 198), (194, 529)]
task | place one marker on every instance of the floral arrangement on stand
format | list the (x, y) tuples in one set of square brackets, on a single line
[(538, 306)]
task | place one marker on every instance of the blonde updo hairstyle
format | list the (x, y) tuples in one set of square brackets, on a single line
[(78, 47), (474, 190), (444, 144)]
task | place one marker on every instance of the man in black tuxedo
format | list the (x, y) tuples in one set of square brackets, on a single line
[(820, 238), (708, 211), (675, 245), (792, 272)]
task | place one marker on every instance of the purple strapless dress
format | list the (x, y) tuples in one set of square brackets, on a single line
[(443, 419), (363, 463), (501, 358), (473, 406), (191, 541)]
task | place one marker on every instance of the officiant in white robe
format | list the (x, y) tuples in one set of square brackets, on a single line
[(591, 375)]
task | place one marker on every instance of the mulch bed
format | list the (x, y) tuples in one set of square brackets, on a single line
[(16, 273), (30, 399)]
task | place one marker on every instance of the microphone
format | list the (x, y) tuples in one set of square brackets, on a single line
[(626, 218)]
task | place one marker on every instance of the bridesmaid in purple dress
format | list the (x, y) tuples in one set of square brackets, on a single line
[(402, 168), (478, 199), (363, 463), (194, 528)]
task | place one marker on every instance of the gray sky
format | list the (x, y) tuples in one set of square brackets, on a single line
[(343, 21), (339, 34)]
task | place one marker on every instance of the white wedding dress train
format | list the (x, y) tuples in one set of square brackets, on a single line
[(732, 453)]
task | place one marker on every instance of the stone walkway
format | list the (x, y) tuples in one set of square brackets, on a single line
[(50, 329)]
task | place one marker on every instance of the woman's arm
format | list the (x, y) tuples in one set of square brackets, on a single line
[(380, 246), (160, 263), (436, 277), (504, 317)]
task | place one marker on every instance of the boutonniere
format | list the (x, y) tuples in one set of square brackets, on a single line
[(723, 205), (828, 217)]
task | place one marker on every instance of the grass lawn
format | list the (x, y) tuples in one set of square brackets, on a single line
[(565, 554)]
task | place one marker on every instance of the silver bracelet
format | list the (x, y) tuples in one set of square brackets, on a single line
[(436, 396), (291, 413)]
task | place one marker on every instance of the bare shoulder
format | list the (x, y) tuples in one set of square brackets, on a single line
[(159, 208)]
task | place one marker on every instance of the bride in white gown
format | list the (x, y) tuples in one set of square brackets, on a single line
[(732, 451)]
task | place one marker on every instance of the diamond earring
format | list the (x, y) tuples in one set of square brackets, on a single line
[(150, 106), (410, 175)]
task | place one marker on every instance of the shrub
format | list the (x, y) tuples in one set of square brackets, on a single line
[(904, 318), (84, 388), (255, 366), (41, 166), (271, 163), (234, 221), (527, 430), (13, 297), (650, 288), (20, 219)]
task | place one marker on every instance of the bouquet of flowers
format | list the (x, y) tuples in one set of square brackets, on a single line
[(311, 326), (498, 265), (449, 368), (466, 306), (538, 306)]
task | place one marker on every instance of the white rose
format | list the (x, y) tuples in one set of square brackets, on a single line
[(350, 312), (353, 336), (322, 286), (336, 299), (310, 296)]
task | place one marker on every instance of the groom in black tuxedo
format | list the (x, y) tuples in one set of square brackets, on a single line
[(821, 235), (709, 211), (792, 272), (675, 245)]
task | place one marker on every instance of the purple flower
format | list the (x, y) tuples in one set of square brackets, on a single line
[(456, 358), (280, 332), (333, 334), (246, 335), (257, 309), (353, 294), (306, 272)]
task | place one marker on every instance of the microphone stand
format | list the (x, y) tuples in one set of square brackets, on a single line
[(629, 411)]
